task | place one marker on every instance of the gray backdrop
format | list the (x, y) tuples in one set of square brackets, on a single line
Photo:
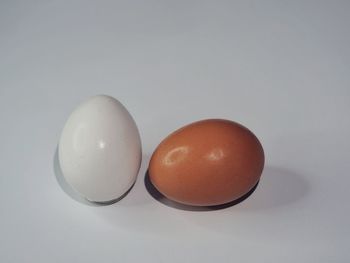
[(280, 68)]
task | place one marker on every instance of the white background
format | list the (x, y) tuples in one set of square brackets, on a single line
[(280, 68)]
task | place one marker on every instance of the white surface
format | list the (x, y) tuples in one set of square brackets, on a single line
[(100, 149), (281, 69)]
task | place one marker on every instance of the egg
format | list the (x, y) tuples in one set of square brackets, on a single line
[(100, 149), (206, 163)]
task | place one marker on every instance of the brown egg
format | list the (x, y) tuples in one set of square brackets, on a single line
[(206, 163)]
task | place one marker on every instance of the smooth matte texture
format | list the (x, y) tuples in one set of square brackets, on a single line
[(206, 163), (280, 68), (100, 149)]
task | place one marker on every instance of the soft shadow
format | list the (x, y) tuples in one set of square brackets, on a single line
[(139, 196), (164, 200), (278, 187), (74, 194)]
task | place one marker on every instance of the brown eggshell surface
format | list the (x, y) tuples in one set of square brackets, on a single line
[(207, 163)]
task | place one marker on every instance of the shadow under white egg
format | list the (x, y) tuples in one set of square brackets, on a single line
[(71, 192)]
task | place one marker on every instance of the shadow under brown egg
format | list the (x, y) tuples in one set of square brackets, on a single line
[(152, 190)]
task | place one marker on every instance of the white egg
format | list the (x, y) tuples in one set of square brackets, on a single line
[(100, 149)]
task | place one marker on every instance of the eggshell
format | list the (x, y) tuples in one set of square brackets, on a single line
[(100, 149), (207, 163)]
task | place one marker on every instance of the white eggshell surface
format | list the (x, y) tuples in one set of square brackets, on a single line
[(100, 149)]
